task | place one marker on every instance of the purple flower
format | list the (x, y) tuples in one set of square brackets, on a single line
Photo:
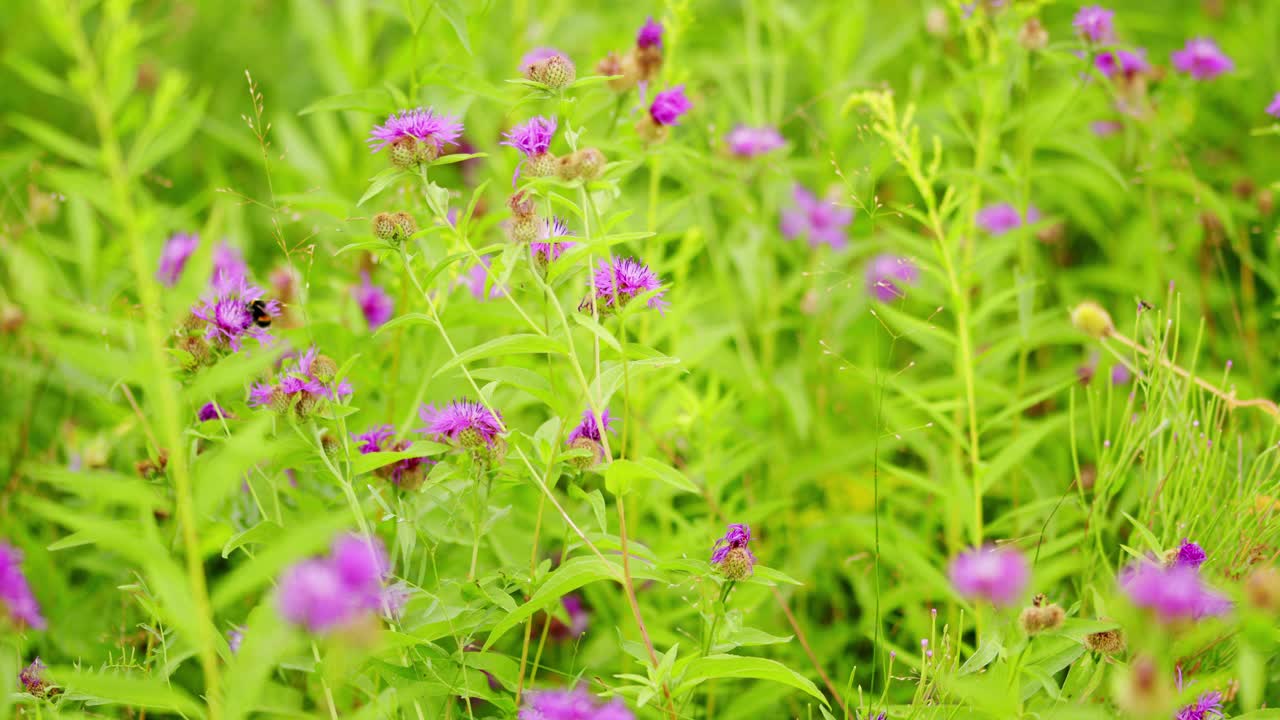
[(548, 249), (212, 411), (650, 34), (324, 593), (375, 440), (532, 138), (362, 565), (1125, 62), (1120, 374), (737, 536), (229, 269), (885, 271), (1103, 128), (1208, 705), (1190, 555), (477, 277), (578, 619), (1202, 59), (32, 678), (376, 305), (302, 387), (174, 257), (1173, 593), (422, 124), (669, 105), (996, 574), (462, 421), (570, 705), (230, 317), (1000, 218), (588, 428), (1094, 23), (616, 282), (537, 55), (16, 598), (748, 142), (235, 638), (821, 222), (1274, 108)]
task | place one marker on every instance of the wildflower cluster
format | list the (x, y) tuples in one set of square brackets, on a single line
[(303, 383)]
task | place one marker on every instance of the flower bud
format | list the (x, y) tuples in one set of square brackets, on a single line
[(384, 227), (324, 368), (936, 22), (198, 350), (1107, 642), (585, 461), (306, 404), (405, 224), (1090, 318), (279, 402), (521, 205), (1041, 616), (470, 438), (650, 131), (591, 163), (328, 442), (648, 61), (1266, 202), (1144, 691), (525, 228), (1262, 589), (556, 71), (567, 168), (624, 67), (540, 165), (404, 152), (149, 469), (1033, 36), (737, 564)]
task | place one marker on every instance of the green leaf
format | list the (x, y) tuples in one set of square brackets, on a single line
[(734, 666), (372, 461), (568, 577), (456, 158), (55, 140), (299, 541), (523, 344), (620, 474), (368, 100), (132, 690), (381, 182), (407, 319)]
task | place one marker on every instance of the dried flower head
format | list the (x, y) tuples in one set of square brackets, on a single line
[(748, 142), (421, 134), (375, 304), (1033, 35), (996, 574), (1201, 59), (616, 282), (820, 221), (1262, 589), (1107, 642), (173, 258), (1041, 616)]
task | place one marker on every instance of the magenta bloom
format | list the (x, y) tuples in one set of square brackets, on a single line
[(1124, 62), (1274, 108), (1103, 128), (1094, 23), (460, 419), (1207, 705), (1173, 593), (748, 142), (212, 411), (177, 249), (995, 574), (376, 305), (376, 440), (16, 599), (588, 428), (737, 536), (476, 279), (32, 678), (885, 272), (548, 248), (1001, 218), (616, 282), (422, 124), (537, 55), (229, 317), (324, 593), (1190, 555), (821, 222), (570, 705), (532, 138), (579, 619), (235, 638), (300, 386), (1120, 374), (1202, 59), (229, 269), (669, 105), (650, 34)]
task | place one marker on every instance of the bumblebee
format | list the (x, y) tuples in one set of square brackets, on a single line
[(258, 311)]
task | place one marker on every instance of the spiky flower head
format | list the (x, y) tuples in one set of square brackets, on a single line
[(1209, 704), (616, 282), (1094, 23), (463, 422), (1000, 218), (229, 318), (650, 34), (1190, 555), (748, 142), (820, 221), (422, 134), (996, 574), (408, 472), (212, 411), (375, 304), (1175, 593), (549, 67), (884, 274), (1202, 59), (571, 705), (1124, 63), (322, 594), (589, 429), (624, 71), (669, 105), (533, 138), (302, 387), (731, 554), (549, 247), (173, 258), (1107, 642), (32, 678), (17, 602)]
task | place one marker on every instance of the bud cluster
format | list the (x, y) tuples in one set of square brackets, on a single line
[(394, 227)]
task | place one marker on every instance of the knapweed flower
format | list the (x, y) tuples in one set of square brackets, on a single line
[(820, 221), (732, 554), (650, 34), (1125, 63), (1207, 705), (415, 136), (375, 304), (1201, 59), (212, 411), (885, 272), (749, 142), (996, 574), (229, 269), (1173, 593), (586, 436), (1120, 374), (571, 705), (407, 473), (234, 313), (464, 422), (549, 67), (1000, 218), (16, 599), (1190, 555), (322, 594), (32, 678), (1094, 23), (302, 387), (616, 282), (477, 278), (177, 249), (548, 247), (669, 105), (533, 140), (1274, 108)]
